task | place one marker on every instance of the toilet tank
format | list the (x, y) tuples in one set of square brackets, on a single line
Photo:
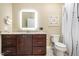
[(55, 37)]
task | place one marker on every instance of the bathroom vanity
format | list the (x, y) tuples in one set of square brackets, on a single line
[(23, 44), (17, 44)]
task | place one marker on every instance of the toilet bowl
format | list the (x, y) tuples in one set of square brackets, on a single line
[(59, 48)]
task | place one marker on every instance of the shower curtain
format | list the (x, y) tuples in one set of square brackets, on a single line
[(70, 28)]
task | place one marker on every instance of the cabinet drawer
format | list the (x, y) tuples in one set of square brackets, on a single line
[(9, 51), (8, 40), (39, 42), (39, 50), (8, 36), (39, 36), (26, 36)]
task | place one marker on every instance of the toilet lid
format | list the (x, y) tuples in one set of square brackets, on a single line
[(60, 44)]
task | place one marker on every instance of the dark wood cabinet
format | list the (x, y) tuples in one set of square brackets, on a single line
[(23, 44), (9, 45), (9, 51), (39, 44), (39, 51)]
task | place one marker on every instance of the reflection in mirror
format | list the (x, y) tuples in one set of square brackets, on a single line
[(28, 19)]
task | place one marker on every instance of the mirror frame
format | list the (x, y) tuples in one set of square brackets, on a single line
[(36, 19)]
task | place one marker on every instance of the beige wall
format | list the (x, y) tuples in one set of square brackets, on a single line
[(44, 11), (5, 10)]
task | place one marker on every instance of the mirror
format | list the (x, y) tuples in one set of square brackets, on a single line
[(28, 19)]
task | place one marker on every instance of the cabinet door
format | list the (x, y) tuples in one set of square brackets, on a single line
[(39, 40), (8, 40), (39, 50), (10, 51), (39, 44), (24, 44), (8, 45)]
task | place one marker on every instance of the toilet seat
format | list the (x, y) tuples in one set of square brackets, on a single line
[(60, 44)]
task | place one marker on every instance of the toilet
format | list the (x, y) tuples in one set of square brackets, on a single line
[(59, 48)]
